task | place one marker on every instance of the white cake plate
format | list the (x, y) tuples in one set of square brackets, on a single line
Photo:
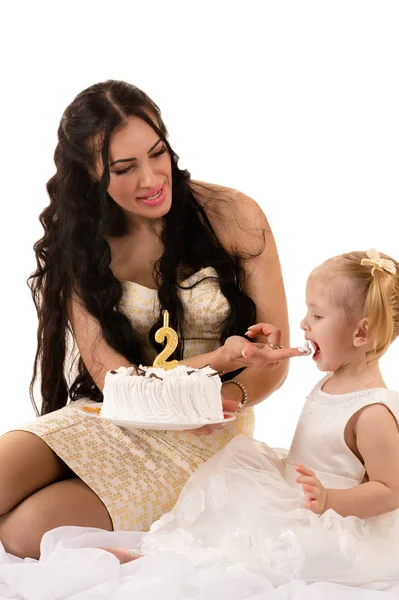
[(87, 410)]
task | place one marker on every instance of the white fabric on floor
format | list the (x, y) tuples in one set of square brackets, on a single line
[(72, 568)]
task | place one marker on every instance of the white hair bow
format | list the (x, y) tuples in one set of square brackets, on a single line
[(377, 263)]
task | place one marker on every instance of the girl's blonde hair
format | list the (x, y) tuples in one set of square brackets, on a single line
[(371, 293)]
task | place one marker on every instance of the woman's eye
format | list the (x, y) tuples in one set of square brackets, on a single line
[(317, 317), (130, 167), (159, 153), (122, 171)]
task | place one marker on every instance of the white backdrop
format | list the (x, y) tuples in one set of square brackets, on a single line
[(294, 103)]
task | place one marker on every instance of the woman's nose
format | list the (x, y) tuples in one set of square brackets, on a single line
[(147, 176)]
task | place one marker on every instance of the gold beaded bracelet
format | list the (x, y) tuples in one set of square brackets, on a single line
[(243, 391)]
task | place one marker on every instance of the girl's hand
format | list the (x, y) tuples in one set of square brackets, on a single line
[(315, 492)]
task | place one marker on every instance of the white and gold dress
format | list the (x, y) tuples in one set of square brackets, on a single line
[(138, 476)]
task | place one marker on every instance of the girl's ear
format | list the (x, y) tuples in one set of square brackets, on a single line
[(361, 336)]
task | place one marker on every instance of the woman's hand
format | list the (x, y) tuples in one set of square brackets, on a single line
[(238, 351), (229, 406), (123, 555)]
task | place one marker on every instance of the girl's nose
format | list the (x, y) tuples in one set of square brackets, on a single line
[(304, 324)]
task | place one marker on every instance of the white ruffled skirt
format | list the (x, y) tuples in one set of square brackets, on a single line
[(237, 532), (238, 507)]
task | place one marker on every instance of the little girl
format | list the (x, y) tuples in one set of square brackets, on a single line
[(327, 509)]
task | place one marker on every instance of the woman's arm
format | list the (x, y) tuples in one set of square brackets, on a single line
[(242, 227), (99, 357)]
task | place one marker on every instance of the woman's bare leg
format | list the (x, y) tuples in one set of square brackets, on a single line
[(27, 464), (67, 502)]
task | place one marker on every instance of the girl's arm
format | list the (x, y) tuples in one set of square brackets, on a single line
[(377, 442)]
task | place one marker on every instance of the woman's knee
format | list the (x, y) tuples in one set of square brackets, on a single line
[(68, 502), (27, 464), (19, 537), (22, 529)]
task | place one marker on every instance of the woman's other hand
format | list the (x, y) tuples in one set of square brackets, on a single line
[(229, 406)]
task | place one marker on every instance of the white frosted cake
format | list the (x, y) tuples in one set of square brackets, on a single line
[(156, 395)]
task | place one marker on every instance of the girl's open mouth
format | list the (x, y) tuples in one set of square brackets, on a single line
[(316, 350)]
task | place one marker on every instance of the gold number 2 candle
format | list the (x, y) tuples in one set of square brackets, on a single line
[(170, 335)]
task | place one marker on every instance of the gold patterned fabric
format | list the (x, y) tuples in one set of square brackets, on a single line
[(138, 476)]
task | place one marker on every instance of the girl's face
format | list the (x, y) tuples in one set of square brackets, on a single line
[(327, 325), (140, 172)]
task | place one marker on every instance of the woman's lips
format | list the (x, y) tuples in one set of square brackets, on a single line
[(155, 197)]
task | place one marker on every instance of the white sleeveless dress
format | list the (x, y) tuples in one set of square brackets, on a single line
[(244, 504), (138, 476)]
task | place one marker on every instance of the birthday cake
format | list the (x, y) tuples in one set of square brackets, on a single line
[(157, 395)]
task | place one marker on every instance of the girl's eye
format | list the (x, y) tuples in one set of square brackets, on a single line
[(317, 317)]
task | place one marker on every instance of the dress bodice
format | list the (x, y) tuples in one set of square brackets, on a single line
[(205, 309), (319, 440)]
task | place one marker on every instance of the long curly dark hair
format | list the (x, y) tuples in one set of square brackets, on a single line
[(73, 256)]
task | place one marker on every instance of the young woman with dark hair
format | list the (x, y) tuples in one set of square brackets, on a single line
[(128, 234)]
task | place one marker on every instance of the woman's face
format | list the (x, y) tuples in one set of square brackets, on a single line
[(140, 172)]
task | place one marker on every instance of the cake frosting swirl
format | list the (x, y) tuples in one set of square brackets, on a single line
[(155, 395)]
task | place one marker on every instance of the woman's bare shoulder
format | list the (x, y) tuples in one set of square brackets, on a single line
[(237, 218), (210, 193)]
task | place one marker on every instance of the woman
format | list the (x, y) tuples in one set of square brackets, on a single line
[(126, 235)]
